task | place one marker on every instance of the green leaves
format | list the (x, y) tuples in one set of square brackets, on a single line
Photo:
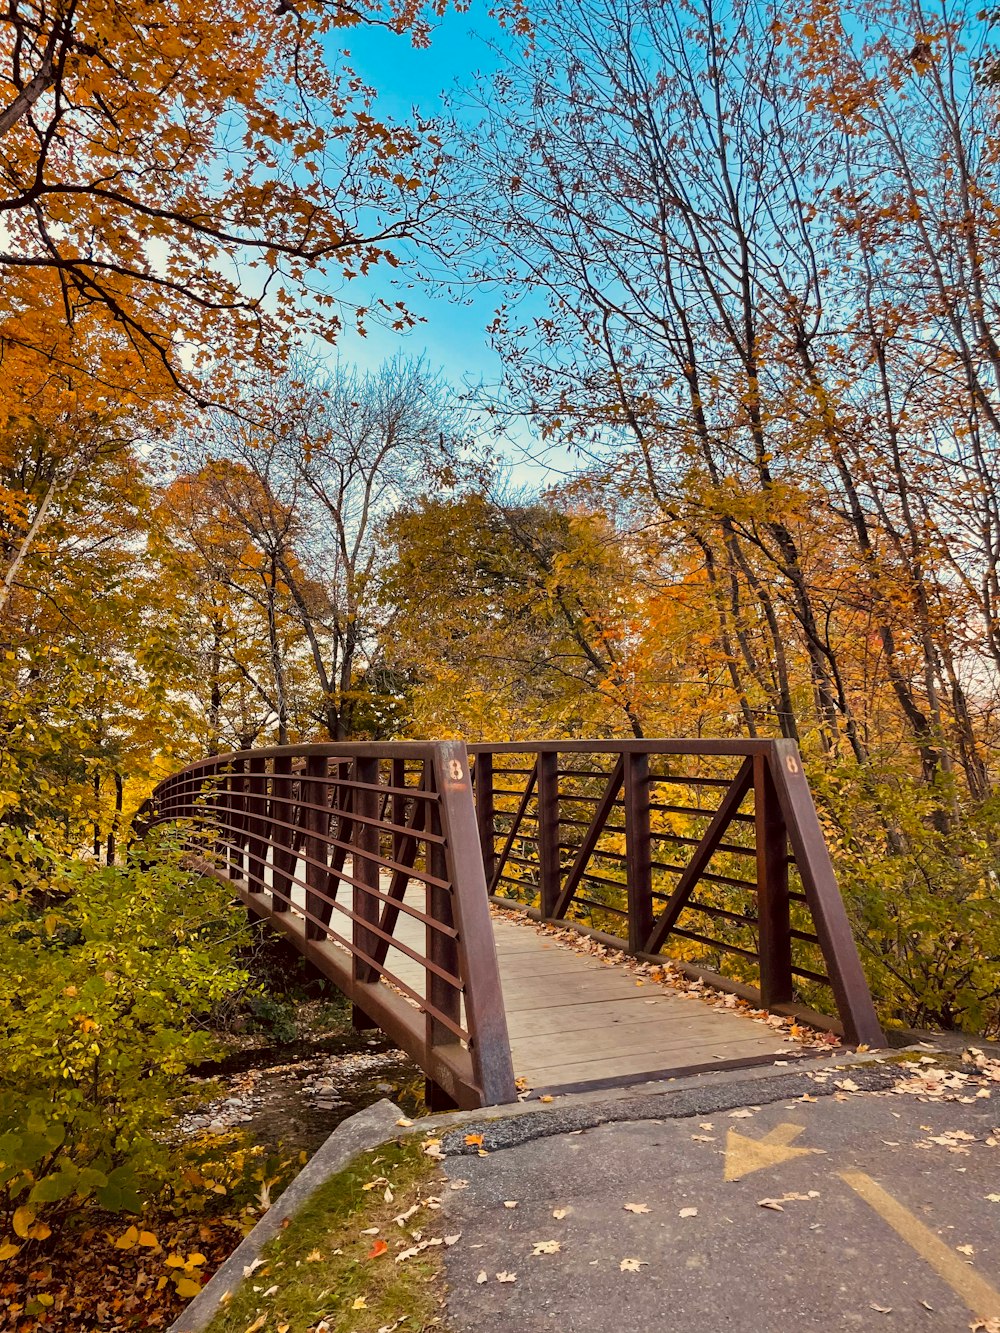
[(95, 1023)]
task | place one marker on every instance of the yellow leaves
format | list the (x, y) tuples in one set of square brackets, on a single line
[(26, 1227), (133, 1238), (8, 1250)]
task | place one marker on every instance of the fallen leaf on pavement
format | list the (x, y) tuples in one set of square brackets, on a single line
[(510, 1203), (482, 1276), (688, 1212), (632, 1265), (740, 1115), (506, 1277), (773, 1204), (882, 1309), (545, 1247), (636, 1207), (474, 1140), (560, 1213)]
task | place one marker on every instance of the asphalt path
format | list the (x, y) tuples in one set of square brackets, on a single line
[(862, 1198)]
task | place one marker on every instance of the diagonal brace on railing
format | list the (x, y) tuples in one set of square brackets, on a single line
[(405, 857), (703, 853), (518, 817), (590, 838)]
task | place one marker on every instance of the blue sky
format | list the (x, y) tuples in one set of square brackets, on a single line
[(452, 335)]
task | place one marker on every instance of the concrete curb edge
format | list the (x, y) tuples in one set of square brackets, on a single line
[(357, 1134)]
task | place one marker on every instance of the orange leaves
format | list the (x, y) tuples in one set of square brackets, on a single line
[(157, 167), (377, 1250)]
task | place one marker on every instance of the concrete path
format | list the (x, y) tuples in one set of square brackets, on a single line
[(827, 1208)]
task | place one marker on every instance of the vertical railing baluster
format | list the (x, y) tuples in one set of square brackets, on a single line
[(397, 805), (257, 825), (317, 825), (773, 911), (365, 871), (485, 813), (638, 852), (548, 832), (283, 839), (237, 817)]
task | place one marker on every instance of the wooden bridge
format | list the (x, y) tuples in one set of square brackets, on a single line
[(379, 861)]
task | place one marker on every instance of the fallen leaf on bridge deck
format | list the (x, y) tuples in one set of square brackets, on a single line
[(688, 1212), (482, 1276), (506, 1277), (636, 1207), (632, 1265), (560, 1213)]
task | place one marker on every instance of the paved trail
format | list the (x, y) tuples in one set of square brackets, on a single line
[(885, 1214)]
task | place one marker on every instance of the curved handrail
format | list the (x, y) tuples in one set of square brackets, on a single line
[(411, 940)]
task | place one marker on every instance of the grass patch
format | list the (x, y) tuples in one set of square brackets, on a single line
[(332, 1279)]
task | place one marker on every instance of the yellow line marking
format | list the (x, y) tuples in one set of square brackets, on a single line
[(982, 1299), (744, 1155)]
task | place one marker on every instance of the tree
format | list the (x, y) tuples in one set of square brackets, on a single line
[(172, 183), (517, 617), (336, 453)]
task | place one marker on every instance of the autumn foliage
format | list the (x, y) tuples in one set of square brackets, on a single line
[(748, 265)]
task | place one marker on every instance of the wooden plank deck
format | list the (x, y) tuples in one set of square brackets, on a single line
[(577, 1020), (574, 1019)]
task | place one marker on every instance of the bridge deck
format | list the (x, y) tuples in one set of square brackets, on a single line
[(576, 1020)]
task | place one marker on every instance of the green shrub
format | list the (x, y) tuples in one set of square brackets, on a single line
[(106, 972), (919, 873)]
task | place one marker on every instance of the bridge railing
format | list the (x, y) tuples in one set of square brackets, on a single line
[(708, 851), (367, 856)]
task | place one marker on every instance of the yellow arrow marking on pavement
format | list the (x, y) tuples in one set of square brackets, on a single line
[(982, 1299), (744, 1155)]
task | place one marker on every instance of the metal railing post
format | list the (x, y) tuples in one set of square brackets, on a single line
[(638, 851), (548, 833), (774, 941)]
